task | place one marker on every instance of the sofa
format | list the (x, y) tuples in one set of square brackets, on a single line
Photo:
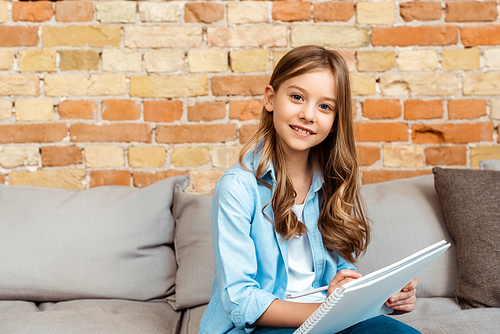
[(127, 260)]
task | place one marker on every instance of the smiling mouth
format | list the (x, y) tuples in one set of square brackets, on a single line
[(301, 130)]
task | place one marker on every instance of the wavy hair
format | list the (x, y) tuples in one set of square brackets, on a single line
[(342, 223)]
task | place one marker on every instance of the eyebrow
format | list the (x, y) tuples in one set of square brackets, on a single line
[(304, 91)]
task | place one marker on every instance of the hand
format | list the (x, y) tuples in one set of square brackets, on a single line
[(404, 301), (341, 278)]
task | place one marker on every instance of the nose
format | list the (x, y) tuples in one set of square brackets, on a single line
[(307, 113)]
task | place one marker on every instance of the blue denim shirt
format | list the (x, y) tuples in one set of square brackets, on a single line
[(251, 259)]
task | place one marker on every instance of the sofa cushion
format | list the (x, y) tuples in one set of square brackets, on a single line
[(490, 164), (470, 201), (89, 316), (105, 242), (194, 250), (406, 217)]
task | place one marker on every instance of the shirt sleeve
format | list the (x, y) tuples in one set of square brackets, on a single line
[(343, 264), (235, 255)]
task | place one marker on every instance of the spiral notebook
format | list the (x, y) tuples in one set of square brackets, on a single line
[(365, 297)]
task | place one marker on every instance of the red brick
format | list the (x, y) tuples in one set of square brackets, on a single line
[(203, 12), (81, 132), (239, 85), (121, 110), (142, 179), (74, 11), (460, 109), (290, 11), (33, 133), (418, 109), (206, 133), (381, 131), (452, 133), (162, 111), (333, 11), (446, 155), (483, 35), (246, 131), (245, 110), (375, 176), (382, 109), (406, 36), (19, 36), (77, 109), (109, 178), (421, 11), (53, 156), (2, 179), (206, 111), (468, 11), (367, 155), (32, 11)]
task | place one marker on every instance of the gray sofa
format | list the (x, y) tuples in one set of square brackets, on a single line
[(125, 260)]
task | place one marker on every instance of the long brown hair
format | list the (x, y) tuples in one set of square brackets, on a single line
[(342, 224)]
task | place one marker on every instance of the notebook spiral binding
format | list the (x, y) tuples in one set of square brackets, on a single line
[(325, 307)]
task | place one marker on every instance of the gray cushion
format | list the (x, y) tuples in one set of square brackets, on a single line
[(406, 217), (194, 250), (470, 201), (490, 164), (89, 316), (105, 242)]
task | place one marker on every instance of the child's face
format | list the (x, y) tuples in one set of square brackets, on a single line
[(303, 110)]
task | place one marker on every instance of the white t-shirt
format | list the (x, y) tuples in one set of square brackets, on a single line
[(300, 265)]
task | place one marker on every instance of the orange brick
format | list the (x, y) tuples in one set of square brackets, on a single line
[(121, 110), (206, 133), (421, 11), (406, 36), (162, 111), (53, 156), (375, 176), (203, 12), (446, 155), (142, 179), (2, 179), (333, 11), (460, 109), (74, 11), (381, 131), (367, 155), (109, 178), (382, 109), (33, 133), (468, 11), (239, 85), (418, 109), (19, 36), (81, 132), (290, 11), (245, 110), (452, 133), (32, 11), (246, 131), (206, 111), (82, 109), (483, 35)]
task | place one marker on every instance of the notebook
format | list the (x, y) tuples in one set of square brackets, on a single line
[(365, 297)]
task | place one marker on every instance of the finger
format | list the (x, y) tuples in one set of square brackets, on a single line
[(402, 296), (401, 309), (345, 273), (407, 301), (412, 285)]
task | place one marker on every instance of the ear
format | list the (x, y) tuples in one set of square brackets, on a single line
[(269, 98)]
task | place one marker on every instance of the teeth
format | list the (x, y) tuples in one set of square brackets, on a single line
[(300, 130)]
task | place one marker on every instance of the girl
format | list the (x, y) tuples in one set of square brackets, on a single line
[(287, 218)]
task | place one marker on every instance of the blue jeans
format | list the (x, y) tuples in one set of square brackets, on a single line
[(378, 325)]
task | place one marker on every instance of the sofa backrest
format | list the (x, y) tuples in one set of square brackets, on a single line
[(406, 217)]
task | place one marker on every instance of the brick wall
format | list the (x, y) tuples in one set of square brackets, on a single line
[(125, 92)]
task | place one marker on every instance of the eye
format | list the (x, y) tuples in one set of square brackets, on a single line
[(296, 97), (325, 107)]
